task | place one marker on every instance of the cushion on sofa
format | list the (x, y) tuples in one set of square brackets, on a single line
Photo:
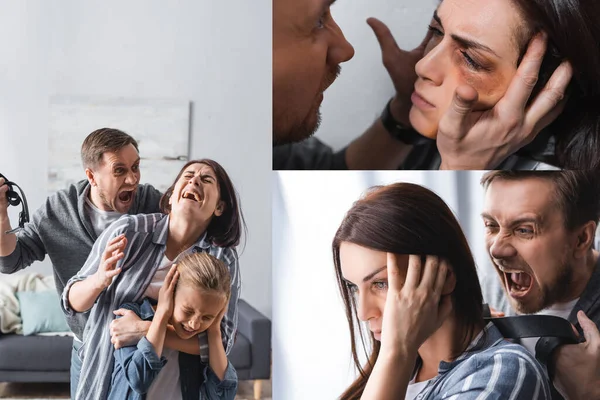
[(41, 312)]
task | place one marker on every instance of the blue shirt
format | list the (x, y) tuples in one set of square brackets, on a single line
[(491, 368), (146, 242), (136, 367)]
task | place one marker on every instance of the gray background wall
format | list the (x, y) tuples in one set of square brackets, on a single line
[(363, 88), (216, 54)]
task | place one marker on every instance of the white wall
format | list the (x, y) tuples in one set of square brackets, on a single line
[(363, 88), (216, 54), (311, 344)]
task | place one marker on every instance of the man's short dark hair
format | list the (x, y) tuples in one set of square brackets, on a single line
[(102, 140), (577, 193)]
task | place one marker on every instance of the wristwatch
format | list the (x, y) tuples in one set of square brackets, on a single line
[(399, 131)]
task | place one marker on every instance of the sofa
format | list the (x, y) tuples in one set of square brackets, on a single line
[(48, 358)]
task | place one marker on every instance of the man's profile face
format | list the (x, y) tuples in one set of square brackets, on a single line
[(308, 47), (528, 243)]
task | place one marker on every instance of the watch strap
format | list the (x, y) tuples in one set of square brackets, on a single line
[(399, 131)]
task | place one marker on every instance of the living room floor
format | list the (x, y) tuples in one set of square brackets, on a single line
[(29, 391)]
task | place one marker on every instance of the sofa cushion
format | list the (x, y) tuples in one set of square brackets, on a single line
[(35, 353), (40, 312), (240, 355)]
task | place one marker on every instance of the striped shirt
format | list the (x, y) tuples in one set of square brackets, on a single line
[(495, 369), (147, 238)]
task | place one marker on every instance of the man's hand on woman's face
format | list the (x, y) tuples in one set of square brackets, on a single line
[(400, 65), (470, 139), (416, 309)]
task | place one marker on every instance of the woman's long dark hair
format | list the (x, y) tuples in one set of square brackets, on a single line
[(404, 218), (574, 35), (226, 229)]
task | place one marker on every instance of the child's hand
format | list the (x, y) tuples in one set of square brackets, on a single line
[(215, 327), (166, 301), (112, 254)]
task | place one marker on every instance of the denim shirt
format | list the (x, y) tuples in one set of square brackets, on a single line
[(136, 367)]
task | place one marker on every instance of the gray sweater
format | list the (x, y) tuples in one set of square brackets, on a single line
[(62, 229)]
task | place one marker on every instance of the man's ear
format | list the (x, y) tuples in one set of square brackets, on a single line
[(90, 176), (220, 208), (450, 283), (584, 239)]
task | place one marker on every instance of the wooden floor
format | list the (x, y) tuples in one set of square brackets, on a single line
[(61, 390)]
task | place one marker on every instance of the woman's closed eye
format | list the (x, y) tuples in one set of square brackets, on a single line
[(470, 62), (436, 31)]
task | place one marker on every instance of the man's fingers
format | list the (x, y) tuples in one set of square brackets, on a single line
[(393, 272), (524, 81), (384, 37), (548, 103), (426, 40), (120, 312), (455, 119), (590, 330)]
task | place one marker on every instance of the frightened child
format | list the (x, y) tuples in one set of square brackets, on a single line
[(192, 299)]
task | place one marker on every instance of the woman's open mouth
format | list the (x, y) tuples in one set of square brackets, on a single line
[(518, 283)]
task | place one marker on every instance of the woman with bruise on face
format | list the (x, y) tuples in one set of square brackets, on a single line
[(474, 52), (404, 268)]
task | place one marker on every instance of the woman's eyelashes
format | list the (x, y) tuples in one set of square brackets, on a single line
[(377, 285), (468, 60)]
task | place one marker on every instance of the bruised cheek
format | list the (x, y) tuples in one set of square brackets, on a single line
[(490, 86)]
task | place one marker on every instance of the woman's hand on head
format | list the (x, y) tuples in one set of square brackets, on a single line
[(166, 294), (400, 65), (108, 265), (482, 140), (416, 309)]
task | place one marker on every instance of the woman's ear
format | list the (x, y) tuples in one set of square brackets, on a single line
[(450, 283), (220, 208)]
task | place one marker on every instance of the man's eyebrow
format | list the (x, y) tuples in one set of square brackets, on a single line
[(535, 220), (464, 41)]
